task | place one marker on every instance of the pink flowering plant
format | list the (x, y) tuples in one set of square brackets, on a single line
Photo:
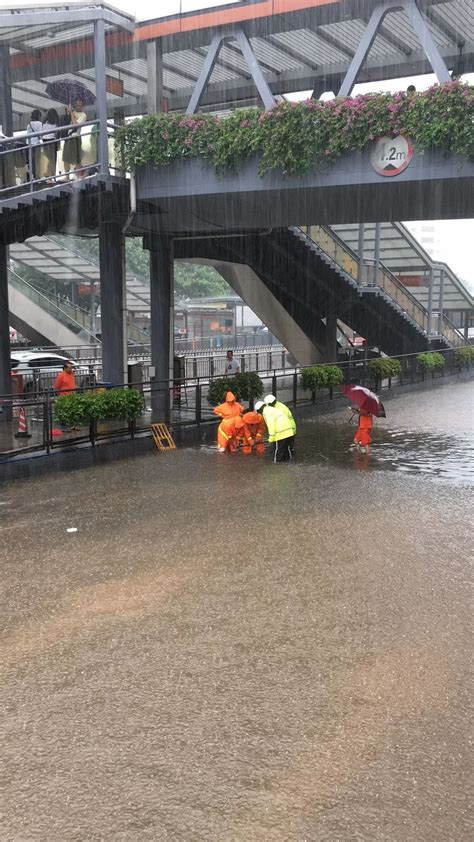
[(296, 137)]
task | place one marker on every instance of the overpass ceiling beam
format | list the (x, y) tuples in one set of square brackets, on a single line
[(391, 38), (262, 64), (220, 62), (445, 28), (289, 51), (51, 17), (421, 30), (333, 42)]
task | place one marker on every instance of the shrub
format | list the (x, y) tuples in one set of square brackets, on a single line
[(430, 360), (245, 386), (320, 377), (80, 408), (294, 137), (384, 367), (465, 355)]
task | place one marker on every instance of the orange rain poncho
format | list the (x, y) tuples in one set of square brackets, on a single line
[(364, 427), (257, 429), (230, 432), (230, 408)]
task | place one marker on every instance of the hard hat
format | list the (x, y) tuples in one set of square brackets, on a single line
[(269, 399), (239, 423), (259, 405)]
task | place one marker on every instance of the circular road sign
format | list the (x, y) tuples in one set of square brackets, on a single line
[(391, 155)]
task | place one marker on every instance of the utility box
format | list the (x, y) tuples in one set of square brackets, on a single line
[(135, 375), (179, 374)]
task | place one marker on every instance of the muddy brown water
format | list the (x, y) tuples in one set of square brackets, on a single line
[(228, 649)]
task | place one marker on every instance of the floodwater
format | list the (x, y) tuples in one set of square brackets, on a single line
[(228, 649)]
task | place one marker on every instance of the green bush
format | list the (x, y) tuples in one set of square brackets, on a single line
[(244, 386), (80, 408), (295, 137), (430, 360), (465, 355), (320, 377), (384, 367)]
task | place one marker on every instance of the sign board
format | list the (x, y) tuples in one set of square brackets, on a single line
[(413, 280), (391, 155), (114, 86)]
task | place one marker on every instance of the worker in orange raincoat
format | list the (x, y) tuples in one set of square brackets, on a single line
[(362, 438), (230, 408), (257, 429), (231, 432)]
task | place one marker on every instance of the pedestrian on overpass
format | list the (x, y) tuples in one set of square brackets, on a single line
[(281, 428), (231, 408)]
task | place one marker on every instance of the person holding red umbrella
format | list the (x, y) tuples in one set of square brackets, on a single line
[(366, 404), (363, 438)]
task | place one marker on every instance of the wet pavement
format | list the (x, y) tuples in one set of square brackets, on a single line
[(228, 649)]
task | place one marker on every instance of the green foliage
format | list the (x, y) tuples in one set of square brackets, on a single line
[(294, 137), (430, 360), (191, 280), (80, 408), (465, 356), (384, 367), (244, 386), (320, 377)]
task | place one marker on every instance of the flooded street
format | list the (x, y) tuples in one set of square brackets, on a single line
[(228, 649)]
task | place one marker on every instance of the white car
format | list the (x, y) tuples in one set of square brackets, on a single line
[(39, 369)]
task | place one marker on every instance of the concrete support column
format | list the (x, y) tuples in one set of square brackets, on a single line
[(5, 367), (154, 56), (161, 322), (101, 94), (330, 350), (377, 247), (113, 302)]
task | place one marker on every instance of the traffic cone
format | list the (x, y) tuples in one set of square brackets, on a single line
[(22, 426)]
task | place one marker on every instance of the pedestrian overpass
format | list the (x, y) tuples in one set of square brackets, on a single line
[(210, 60)]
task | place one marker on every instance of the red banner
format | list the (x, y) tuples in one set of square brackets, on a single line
[(114, 86), (413, 280)]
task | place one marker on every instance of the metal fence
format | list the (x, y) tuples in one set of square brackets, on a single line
[(189, 401)]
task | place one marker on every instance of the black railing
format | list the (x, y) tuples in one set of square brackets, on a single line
[(188, 401)]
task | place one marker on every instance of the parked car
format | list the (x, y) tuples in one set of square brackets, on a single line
[(38, 369)]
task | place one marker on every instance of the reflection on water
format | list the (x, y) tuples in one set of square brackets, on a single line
[(447, 456)]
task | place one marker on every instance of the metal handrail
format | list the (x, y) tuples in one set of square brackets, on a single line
[(46, 303)]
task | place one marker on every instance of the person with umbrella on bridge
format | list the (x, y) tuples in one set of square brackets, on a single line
[(366, 404), (75, 96)]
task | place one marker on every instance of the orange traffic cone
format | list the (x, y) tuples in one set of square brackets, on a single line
[(22, 426)]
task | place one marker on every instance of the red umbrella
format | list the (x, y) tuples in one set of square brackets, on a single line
[(364, 399)]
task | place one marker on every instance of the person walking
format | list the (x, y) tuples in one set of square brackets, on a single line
[(231, 432), (49, 148), (281, 428), (231, 408), (231, 366), (363, 438), (35, 125), (66, 379), (257, 428), (72, 150)]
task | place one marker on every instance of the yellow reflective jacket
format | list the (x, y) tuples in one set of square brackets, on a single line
[(280, 422)]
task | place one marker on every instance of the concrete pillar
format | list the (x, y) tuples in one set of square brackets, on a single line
[(161, 322), (154, 56), (113, 302), (330, 350), (101, 94), (6, 113), (5, 367), (377, 247)]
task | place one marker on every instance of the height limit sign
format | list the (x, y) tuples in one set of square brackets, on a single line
[(391, 155)]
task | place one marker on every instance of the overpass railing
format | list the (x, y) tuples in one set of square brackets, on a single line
[(372, 274), (28, 160), (189, 403)]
